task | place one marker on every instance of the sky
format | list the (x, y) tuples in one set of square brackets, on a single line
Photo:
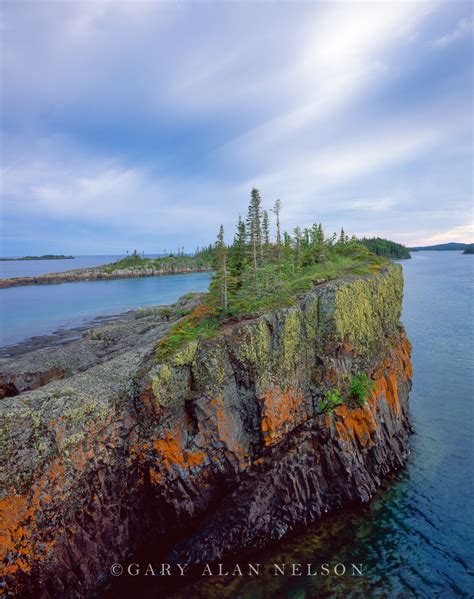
[(145, 125)]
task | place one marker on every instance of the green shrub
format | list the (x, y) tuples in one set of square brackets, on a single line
[(332, 401), (201, 323), (166, 312), (360, 388)]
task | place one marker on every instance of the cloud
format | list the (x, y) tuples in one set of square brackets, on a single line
[(461, 233), (463, 28), (147, 118), (342, 53), (308, 174), (56, 181)]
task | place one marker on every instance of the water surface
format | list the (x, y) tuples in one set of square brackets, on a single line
[(41, 309), (33, 268)]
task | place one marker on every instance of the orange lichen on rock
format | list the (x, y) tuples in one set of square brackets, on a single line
[(14, 510), (356, 424), (398, 368), (171, 451), (391, 394), (282, 412), (361, 423), (18, 527), (226, 427), (156, 478)]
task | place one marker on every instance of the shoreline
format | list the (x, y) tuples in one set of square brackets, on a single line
[(93, 274), (83, 347), (64, 334)]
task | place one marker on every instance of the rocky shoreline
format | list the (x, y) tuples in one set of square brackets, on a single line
[(33, 362), (97, 274), (220, 448)]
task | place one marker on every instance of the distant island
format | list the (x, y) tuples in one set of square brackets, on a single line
[(443, 247), (45, 257), (469, 249), (386, 248)]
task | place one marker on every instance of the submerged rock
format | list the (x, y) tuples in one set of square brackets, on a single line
[(220, 448)]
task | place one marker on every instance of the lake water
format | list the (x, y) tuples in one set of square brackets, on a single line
[(416, 538), (34, 268), (41, 309)]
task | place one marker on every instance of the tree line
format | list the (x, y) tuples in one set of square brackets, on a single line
[(255, 265), (384, 247)]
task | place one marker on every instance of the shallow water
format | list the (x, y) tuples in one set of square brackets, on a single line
[(41, 309), (416, 538)]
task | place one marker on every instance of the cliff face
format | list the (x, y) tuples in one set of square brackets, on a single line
[(225, 439)]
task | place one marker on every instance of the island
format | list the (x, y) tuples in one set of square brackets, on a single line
[(387, 248), (212, 426), (452, 246), (132, 266), (45, 257), (469, 249)]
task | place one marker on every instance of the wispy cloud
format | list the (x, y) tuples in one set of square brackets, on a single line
[(464, 27), (461, 233), (154, 120)]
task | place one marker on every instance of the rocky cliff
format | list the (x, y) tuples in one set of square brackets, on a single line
[(220, 448)]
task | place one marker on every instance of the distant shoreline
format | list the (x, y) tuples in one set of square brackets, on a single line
[(93, 274), (45, 257)]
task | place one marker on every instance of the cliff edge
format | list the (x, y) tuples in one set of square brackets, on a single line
[(221, 447)]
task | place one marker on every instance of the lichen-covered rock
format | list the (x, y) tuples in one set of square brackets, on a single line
[(223, 445)]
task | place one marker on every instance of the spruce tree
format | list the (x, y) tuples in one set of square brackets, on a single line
[(221, 264), (237, 257), (298, 240), (266, 230), (288, 250), (277, 210), (254, 231)]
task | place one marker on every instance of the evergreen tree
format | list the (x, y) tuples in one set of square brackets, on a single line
[(342, 237), (320, 234), (320, 244), (221, 267), (287, 250), (277, 210), (298, 240), (266, 229), (306, 237), (254, 231), (237, 259)]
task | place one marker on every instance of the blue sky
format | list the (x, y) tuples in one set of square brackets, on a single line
[(145, 124)]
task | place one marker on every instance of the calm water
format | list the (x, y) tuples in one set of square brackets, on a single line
[(34, 268), (35, 310), (416, 538)]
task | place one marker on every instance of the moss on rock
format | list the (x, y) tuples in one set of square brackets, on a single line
[(368, 310), (170, 384)]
